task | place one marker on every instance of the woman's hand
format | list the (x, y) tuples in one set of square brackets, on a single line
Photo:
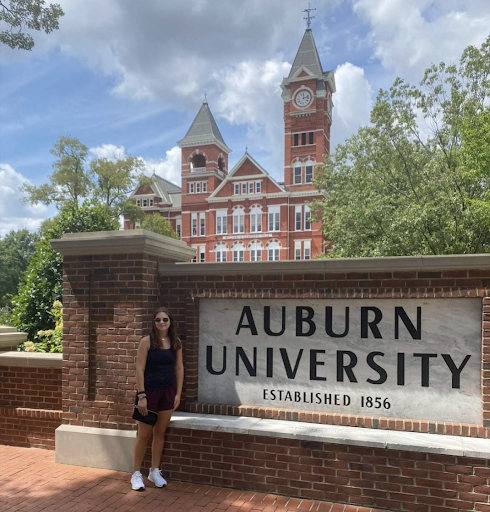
[(176, 401), (142, 407)]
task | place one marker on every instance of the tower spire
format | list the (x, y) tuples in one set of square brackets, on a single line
[(308, 18)]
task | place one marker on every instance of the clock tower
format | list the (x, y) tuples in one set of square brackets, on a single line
[(307, 94)]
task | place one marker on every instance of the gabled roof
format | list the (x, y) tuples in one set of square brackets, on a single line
[(237, 167), (307, 56), (162, 188), (203, 130)]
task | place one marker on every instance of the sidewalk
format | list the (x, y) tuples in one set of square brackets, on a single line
[(32, 481)]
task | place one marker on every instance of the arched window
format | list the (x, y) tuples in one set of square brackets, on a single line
[(255, 251), (256, 219), (238, 251), (273, 249), (198, 161), (220, 251), (238, 220), (220, 164), (297, 173), (309, 165)]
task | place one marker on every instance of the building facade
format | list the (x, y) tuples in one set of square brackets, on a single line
[(244, 214)]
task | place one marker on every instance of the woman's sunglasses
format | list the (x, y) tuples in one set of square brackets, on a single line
[(165, 320)]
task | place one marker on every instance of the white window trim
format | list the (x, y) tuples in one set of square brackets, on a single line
[(307, 245), (256, 213), (306, 217), (223, 215), (238, 221), (273, 210), (202, 223), (297, 166)]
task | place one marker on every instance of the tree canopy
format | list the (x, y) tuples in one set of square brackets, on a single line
[(158, 224), (20, 15), (74, 179), (16, 250), (42, 283), (417, 180)]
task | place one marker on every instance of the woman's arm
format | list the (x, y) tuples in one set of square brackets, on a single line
[(179, 376), (143, 348)]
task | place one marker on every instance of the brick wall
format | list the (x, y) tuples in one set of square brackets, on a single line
[(108, 306), (182, 290), (32, 388), (30, 406), (398, 481)]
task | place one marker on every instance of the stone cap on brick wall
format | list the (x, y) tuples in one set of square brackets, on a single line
[(385, 264), (336, 434), (133, 241), (31, 359)]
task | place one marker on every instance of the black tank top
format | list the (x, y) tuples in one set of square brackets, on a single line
[(160, 368)]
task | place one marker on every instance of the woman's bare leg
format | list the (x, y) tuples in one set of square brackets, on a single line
[(144, 433), (159, 437)]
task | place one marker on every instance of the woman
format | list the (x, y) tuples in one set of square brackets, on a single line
[(159, 378)]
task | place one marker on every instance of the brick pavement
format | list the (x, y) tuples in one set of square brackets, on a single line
[(32, 481)]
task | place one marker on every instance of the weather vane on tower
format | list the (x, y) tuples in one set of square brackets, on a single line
[(308, 18)]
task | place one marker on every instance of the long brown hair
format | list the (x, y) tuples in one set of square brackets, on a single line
[(155, 340)]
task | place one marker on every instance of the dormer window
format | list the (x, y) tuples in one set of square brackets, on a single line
[(151, 202), (138, 202), (145, 203)]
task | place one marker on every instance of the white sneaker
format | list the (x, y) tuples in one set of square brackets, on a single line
[(156, 477), (137, 481)]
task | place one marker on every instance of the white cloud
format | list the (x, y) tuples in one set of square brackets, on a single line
[(408, 36), (168, 168), (352, 101), (13, 214), (251, 95), (109, 151)]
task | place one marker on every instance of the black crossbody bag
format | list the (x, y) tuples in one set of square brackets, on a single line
[(150, 419)]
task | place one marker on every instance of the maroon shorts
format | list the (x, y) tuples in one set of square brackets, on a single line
[(160, 399)]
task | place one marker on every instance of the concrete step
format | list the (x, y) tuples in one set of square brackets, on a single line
[(10, 340)]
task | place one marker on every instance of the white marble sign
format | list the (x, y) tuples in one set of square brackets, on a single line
[(401, 358)]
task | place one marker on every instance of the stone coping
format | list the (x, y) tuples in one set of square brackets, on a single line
[(31, 359), (384, 264), (385, 439), (132, 241)]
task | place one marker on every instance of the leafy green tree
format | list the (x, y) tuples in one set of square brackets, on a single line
[(20, 15), (16, 250), (69, 183), (42, 284), (114, 179), (158, 224), (105, 181), (416, 181)]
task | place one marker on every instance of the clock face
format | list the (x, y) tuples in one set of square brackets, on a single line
[(303, 98)]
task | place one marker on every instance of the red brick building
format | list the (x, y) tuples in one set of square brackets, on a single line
[(244, 214)]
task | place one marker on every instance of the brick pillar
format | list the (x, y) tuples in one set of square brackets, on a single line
[(110, 291)]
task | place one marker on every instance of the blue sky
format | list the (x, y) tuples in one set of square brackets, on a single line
[(129, 77)]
